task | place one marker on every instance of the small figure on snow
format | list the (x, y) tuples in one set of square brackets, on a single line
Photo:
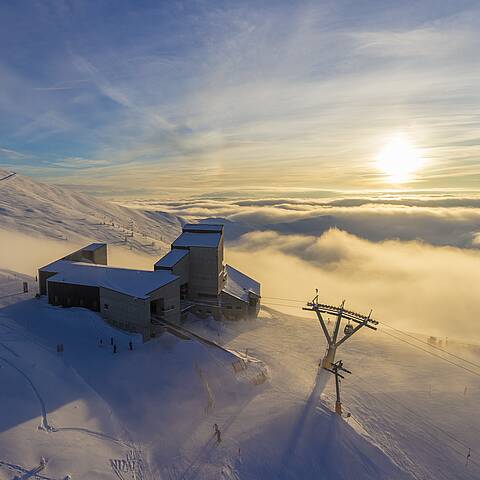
[(217, 433), (130, 345), (115, 349)]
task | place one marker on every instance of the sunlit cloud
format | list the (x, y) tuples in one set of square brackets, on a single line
[(408, 284)]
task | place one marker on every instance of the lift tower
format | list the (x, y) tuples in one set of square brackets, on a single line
[(341, 313), (336, 368)]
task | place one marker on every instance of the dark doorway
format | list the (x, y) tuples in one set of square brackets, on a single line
[(153, 307)]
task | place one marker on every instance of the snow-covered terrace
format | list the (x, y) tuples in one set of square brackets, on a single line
[(239, 285)]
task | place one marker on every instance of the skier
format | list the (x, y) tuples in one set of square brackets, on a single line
[(130, 345), (115, 349), (217, 433)]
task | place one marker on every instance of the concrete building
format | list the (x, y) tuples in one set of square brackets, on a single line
[(126, 298), (208, 286), (191, 277)]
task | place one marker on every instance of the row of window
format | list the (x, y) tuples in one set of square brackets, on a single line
[(81, 302)]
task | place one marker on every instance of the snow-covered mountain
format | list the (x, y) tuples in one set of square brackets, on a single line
[(56, 213)]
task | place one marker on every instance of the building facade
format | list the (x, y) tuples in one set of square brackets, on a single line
[(208, 284)]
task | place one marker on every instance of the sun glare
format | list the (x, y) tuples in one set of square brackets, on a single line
[(399, 159)]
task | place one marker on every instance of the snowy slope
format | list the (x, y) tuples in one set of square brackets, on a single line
[(44, 210), (420, 411), (87, 407), (158, 403), (411, 415)]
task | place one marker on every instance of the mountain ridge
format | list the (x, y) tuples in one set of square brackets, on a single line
[(40, 209)]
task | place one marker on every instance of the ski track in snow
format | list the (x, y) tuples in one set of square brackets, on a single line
[(32, 473), (143, 473), (13, 352), (44, 424)]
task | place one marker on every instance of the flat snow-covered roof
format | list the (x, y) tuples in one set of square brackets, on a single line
[(135, 283), (172, 258), (56, 266), (203, 228), (93, 246), (239, 285), (197, 239)]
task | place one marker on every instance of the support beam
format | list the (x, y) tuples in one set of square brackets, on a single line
[(324, 328), (339, 321)]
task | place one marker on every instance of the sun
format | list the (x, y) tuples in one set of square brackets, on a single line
[(399, 159)]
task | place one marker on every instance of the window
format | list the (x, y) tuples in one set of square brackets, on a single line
[(105, 306), (207, 295), (238, 308)]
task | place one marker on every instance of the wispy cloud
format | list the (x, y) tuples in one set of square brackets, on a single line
[(10, 154), (223, 97)]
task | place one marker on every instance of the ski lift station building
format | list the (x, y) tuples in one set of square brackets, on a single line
[(191, 277)]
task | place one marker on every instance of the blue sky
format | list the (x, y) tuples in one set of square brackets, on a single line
[(147, 98)]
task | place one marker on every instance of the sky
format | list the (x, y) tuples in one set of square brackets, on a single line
[(151, 99)]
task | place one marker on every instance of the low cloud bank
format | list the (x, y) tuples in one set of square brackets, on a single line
[(444, 220), (410, 285)]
